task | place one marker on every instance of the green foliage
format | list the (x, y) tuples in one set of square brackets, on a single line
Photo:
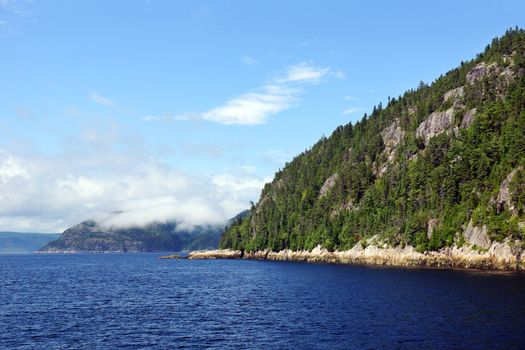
[(155, 237), (453, 178)]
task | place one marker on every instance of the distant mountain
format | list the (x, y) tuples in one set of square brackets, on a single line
[(89, 236), (442, 166), (20, 242)]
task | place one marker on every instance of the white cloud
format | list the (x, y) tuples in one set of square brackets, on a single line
[(352, 110), (49, 193), (189, 213), (11, 168), (232, 189), (254, 108), (101, 100), (304, 72)]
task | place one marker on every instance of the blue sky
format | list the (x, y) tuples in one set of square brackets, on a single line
[(183, 109)]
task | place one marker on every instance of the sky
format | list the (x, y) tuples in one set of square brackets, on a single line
[(183, 110)]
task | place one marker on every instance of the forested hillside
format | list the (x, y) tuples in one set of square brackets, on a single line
[(441, 164), (90, 236)]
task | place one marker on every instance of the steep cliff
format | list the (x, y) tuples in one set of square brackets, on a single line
[(438, 169)]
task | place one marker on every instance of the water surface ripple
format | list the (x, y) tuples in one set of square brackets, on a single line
[(105, 301)]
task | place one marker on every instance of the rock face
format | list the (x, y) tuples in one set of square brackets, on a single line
[(503, 201), (438, 122), (468, 118), (89, 236), (392, 137), (507, 256), (477, 236), (454, 94), (328, 184), (431, 227), (501, 76), (435, 124), (480, 71), (215, 254)]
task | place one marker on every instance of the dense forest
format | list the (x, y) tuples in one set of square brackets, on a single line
[(417, 172), (90, 236)]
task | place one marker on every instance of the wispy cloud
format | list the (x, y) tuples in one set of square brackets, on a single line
[(304, 72), (101, 100), (249, 61), (24, 113), (4, 3), (304, 43), (150, 118), (339, 74), (253, 108), (72, 111), (11, 14), (52, 192), (352, 110)]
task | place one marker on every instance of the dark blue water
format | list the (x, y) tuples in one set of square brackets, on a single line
[(138, 301)]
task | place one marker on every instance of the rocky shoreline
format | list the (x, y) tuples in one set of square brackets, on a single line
[(505, 256)]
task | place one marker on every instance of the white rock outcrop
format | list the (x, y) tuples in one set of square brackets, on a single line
[(507, 255), (468, 118), (454, 94), (435, 124), (477, 235), (392, 136), (504, 197), (215, 254), (328, 184), (480, 71), (431, 227)]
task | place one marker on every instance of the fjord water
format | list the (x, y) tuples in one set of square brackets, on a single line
[(91, 301)]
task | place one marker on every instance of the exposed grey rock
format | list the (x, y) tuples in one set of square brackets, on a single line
[(215, 254), (454, 94), (476, 235), (503, 201), (497, 256), (346, 155), (507, 73), (480, 71), (435, 124), (431, 227), (328, 184), (262, 203), (483, 69), (347, 205), (392, 136), (468, 118)]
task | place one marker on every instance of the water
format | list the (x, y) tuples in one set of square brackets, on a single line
[(103, 301)]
